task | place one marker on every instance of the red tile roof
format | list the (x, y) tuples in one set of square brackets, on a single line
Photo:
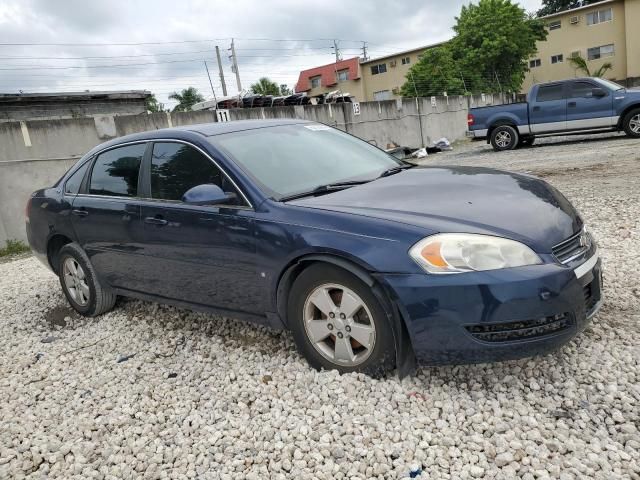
[(328, 73)]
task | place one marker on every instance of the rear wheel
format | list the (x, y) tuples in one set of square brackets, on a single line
[(504, 137), (80, 283), (338, 323), (631, 123)]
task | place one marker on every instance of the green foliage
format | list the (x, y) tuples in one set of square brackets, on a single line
[(555, 6), (13, 247), (285, 91), (187, 98), (265, 86), (153, 105), (579, 63), (494, 39), (436, 72)]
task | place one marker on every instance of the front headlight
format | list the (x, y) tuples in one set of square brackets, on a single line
[(467, 252)]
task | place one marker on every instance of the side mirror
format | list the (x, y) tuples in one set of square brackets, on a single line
[(207, 194), (598, 92)]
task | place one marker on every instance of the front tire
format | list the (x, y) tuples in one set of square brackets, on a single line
[(338, 323), (631, 123), (80, 283), (504, 137)]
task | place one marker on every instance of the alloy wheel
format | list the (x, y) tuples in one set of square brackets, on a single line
[(339, 325), (634, 124), (503, 139), (76, 281)]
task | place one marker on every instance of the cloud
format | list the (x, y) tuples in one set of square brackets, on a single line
[(276, 38)]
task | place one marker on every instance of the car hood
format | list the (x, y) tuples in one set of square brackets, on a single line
[(462, 199)]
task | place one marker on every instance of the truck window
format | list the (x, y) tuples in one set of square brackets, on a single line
[(581, 89), (549, 93)]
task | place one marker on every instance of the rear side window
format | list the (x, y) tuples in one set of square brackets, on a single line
[(550, 93), (176, 168), (115, 172), (72, 185), (581, 89)]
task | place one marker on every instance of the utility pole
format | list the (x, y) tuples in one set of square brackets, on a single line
[(210, 83), (364, 52), (234, 65), (337, 51), (224, 85)]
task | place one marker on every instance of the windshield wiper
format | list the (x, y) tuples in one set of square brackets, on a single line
[(320, 189), (393, 170)]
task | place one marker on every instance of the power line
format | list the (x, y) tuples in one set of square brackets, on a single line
[(204, 40)]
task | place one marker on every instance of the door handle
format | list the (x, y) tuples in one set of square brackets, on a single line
[(536, 109), (156, 221), (80, 212), (571, 104)]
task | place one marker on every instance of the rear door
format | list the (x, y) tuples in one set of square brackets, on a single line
[(198, 254), (585, 111), (106, 214), (548, 111)]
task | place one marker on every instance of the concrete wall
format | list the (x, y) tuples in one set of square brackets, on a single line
[(34, 154), (17, 111)]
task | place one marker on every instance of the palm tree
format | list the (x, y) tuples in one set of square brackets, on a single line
[(187, 98), (264, 86), (579, 63)]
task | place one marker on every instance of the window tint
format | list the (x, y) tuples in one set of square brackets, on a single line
[(550, 93), (115, 172), (176, 168), (581, 89), (72, 186)]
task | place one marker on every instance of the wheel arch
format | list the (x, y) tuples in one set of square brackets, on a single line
[(499, 123), (54, 244), (625, 112)]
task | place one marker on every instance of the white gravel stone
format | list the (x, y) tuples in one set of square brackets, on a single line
[(237, 401)]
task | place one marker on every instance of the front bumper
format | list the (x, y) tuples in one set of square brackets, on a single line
[(496, 315)]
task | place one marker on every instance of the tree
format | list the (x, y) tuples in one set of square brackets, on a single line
[(285, 91), (555, 6), (187, 98), (434, 73), (579, 63), (153, 105), (493, 41), (265, 86)]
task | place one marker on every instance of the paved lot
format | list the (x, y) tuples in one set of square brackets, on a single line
[(149, 391)]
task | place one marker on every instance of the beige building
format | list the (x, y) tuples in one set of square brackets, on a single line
[(607, 31)]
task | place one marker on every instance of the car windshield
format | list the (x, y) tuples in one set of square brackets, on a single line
[(290, 159), (609, 84)]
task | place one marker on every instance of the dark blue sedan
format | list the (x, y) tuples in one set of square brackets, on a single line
[(371, 262)]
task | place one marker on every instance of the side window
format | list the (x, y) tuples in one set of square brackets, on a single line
[(581, 89), (115, 171), (550, 92), (72, 185), (176, 168)]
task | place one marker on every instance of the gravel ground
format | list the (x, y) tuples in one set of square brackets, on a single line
[(149, 391)]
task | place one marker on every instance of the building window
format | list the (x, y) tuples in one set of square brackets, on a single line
[(406, 60), (315, 81), (380, 68), (536, 62), (599, 16), (557, 58), (601, 51), (343, 75), (382, 95), (555, 25)]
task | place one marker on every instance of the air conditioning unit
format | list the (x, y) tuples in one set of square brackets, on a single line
[(574, 20), (575, 54), (392, 63), (395, 90)]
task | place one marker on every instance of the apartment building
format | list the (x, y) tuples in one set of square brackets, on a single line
[(607, 31), (343, 76)]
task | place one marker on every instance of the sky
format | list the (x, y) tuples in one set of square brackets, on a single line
[(162, 45)]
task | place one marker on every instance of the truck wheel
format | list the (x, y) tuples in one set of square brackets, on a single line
[(631, 123), (526, 141), (504, 137)]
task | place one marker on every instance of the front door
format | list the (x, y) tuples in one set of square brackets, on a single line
[(198, 254), (106, 215), (548, 111), (585, 111)]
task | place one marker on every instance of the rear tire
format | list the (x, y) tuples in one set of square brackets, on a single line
[(631, 123), (80, 283), (504, 137), (353, 336)]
